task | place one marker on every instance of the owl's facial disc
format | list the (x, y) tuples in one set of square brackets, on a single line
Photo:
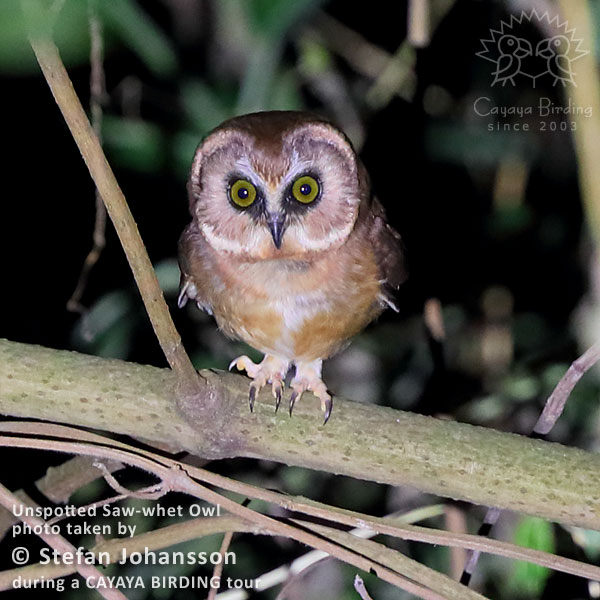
[(275, 189), (295, 197), (299, 195), (246, 197)]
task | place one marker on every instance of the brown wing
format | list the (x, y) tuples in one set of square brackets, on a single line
[(389, 253), (192, 249)]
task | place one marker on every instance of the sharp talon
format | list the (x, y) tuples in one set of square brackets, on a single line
[(182, 299), (252, 397), (277, 398), (328, 408), (295, 396), (270, 370)]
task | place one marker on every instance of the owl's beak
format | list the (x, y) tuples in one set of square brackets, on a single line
[(277, 225)]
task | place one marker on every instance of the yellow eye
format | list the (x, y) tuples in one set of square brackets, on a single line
[(305, 189), (242, 193)]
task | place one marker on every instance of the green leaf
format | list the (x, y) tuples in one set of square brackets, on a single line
[(258, 79), (511, 220), (203, 106), (70, 32), (273, 20), (134, 143), (167, 273), (275, 17), (521, 386), (528, 581), (457, 144), (184, 144), (105, 330), (315, 58), (285, 94), (135, 28)]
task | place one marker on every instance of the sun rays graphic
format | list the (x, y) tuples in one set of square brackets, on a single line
[(514, 55)]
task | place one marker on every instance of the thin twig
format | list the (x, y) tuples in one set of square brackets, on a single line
[(438, 583), (553, 409), (58, 484), (218, 570), (359, 586), (434, 319), (301, 565), (58, 479), (151, 493), (365, 58), (62, 89), (106, 502), (97, 97), (557, 400), (96, 445), (398, 77), (418, 23), (176, 477), (455, 521), (491, 518)]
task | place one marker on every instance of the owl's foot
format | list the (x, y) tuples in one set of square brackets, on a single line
[(270, 370), (308, 377)]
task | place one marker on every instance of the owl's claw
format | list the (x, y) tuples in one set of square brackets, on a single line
[(322, 394), (277, 392), (244, 363), (295, 396), (327, 407), (308, 377), (271, 370)]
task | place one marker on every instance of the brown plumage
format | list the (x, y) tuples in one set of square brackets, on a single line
[(287, 248)]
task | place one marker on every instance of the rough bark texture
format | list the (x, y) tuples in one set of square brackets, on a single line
[(361, 440)]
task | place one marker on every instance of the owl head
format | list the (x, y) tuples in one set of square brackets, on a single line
[(275, 185)]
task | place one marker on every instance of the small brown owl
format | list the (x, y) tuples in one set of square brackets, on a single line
[(287, 248)]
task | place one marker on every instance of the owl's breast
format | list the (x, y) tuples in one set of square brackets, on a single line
[(264, 305), (300, 311)]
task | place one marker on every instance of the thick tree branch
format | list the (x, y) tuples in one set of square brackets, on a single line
[(364, 441)]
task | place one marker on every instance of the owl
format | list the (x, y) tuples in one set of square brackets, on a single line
[(287, 248)]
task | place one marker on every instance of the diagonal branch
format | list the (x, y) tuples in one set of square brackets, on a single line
[(556, 402), (97, 99), (87, 141), (438, 582)]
